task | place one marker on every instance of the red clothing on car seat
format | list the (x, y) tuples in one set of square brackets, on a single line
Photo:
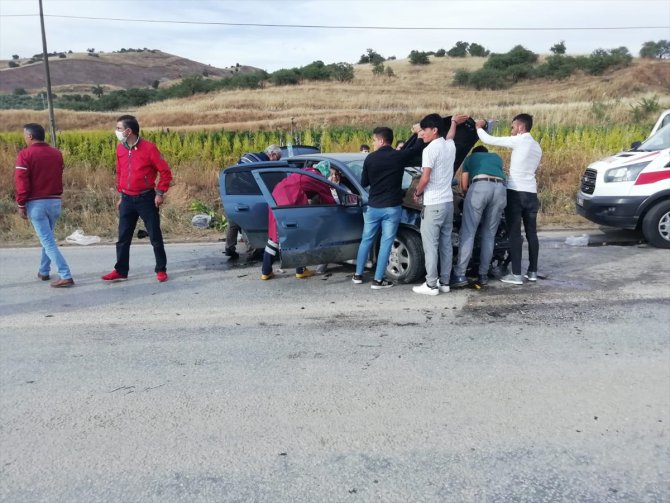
[(297, 190)]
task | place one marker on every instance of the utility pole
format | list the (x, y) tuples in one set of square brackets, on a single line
[(45, 57)]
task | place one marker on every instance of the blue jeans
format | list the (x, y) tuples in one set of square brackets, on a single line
[(483, 204), (388, 220), (43, 214), (437, 221)]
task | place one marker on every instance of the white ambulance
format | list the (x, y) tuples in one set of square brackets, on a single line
[(631, 190)]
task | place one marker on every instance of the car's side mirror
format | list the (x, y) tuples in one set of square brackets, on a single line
[(635, 145), (351, 200)]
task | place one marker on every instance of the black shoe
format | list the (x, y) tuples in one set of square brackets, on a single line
[(483, 279), (378, 285), (232, 254), (357, 278)]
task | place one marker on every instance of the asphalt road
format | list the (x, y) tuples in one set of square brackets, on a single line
[(216, 386)]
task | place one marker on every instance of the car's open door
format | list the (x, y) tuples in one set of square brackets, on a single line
[(243, 201), (314, 233)]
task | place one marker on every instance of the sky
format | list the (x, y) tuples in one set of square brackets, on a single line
[(495, 24)]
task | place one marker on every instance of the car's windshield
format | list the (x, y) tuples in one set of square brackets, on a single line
[(356, 168), (659, 141)]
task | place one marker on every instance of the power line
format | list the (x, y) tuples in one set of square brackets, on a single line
[(341, 27)]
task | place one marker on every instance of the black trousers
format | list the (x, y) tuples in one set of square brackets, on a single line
[(132, 208), (522, 206)]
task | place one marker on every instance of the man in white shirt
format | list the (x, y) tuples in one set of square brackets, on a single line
[(522, 201), (438, 200)]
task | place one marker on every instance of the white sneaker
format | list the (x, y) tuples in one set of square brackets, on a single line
[(426, 290), (513, 279), (442, 288)]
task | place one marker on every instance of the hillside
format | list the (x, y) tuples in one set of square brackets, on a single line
[(372, 100), (80, 71)]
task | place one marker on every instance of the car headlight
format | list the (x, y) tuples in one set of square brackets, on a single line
[(625, 173)]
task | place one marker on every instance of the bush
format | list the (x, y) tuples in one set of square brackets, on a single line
[(315, 71), (516, 56), (644, 108), (601, 60), (440, 53), (378, 69), (285, 77), (12, 64), (342, 72), (478, 51), (460, 50), (19, 91), (418, 58), (518, 72), (487, 78), (557, 67), (389, 72), (461, 77)]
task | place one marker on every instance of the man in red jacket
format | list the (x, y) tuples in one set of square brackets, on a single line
[(138, 164), (39, 186)]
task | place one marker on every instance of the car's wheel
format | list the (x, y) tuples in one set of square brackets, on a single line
[(406, 262), (656, 225)]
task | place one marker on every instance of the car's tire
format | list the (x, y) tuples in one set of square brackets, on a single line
[(656, 225), (406, 262)]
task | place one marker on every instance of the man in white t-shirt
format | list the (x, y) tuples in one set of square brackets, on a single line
[(438, 200), (522, 201)]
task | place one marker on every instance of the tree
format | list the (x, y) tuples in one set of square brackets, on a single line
[(371, 57), (460, 50), (155, 84), (342, 72), (440, 53), (15, 56), (558, 48), (418, 58), (98, 91), (656, 50), (478, 51), (20, 91)]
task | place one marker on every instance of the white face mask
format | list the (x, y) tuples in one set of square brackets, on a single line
[(120, 136)]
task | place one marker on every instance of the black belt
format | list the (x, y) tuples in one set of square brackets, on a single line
[(494, 180)]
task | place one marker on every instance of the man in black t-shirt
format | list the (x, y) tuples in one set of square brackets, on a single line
[(382, 171)]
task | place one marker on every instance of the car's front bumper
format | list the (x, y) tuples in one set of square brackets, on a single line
[(613, 211)]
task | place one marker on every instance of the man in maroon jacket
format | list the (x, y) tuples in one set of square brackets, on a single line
[(39, 186), (138, 164)]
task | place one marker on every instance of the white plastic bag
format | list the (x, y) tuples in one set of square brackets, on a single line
[(581, 240), (79, 238), (201, 221)]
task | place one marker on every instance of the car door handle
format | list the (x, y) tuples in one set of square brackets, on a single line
[(291, 225), (241, 207)]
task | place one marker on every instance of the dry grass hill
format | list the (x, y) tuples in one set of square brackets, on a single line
[(372, 100), (77, 72)]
